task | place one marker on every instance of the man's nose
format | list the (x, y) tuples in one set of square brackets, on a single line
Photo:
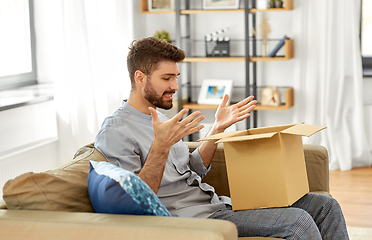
[(175, 84)]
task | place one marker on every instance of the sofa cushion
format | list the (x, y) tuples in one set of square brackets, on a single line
[(118, 191), (60, 189)]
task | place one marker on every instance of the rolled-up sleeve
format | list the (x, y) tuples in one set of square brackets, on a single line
[(197, 164)]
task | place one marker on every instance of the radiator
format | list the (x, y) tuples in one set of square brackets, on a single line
[(37, 159)]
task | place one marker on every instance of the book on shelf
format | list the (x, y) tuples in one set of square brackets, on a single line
[(278, 46)]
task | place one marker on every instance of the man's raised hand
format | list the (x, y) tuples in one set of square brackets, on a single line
[(228, 115), (170, 132)]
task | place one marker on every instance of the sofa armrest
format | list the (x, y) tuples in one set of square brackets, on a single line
[(316, 158), (34, 224), (317, 167)]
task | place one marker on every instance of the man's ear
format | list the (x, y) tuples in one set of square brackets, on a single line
[(140, 77)]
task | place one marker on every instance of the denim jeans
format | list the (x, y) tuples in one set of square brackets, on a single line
[(314, 216)]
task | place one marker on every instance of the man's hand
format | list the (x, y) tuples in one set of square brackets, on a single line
[(170, 132), (166, 134), (225, 117), (228, 115)]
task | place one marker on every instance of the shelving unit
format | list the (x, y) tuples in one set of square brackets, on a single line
[(145, 9), (288, 45), (289, 102), (249, 57)]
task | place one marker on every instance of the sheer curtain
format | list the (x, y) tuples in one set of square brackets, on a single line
[(328, 78), (82, 46)]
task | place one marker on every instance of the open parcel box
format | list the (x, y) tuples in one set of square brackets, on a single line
[(266, 166)]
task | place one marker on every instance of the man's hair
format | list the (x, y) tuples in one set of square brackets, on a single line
[(146, 54)]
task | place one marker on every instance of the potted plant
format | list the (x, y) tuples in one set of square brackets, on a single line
[(278, 3), (163, 35), (272, 4)]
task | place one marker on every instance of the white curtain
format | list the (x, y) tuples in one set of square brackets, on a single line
[(82, 47), (328, 78)]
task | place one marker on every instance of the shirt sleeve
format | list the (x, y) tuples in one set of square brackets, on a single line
[(119, 148), (197, 163)]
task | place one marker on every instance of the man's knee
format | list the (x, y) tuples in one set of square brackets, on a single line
[(302, 225)]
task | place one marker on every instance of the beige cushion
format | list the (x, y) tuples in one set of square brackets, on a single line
[(60, 189), (2, 204)]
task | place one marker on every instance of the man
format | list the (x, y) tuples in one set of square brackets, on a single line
[(140, 139)]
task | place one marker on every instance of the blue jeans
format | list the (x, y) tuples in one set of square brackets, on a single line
[(314, 216)]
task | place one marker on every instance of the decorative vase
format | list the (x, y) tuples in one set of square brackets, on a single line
[(261, 4), (278, 4), (264, 50)]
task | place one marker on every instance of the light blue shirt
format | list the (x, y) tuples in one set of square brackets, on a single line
[(125, 139)]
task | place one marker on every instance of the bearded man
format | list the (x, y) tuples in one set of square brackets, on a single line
[(142, 140)]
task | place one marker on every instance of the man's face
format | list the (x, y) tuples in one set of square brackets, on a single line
[(162, 84)]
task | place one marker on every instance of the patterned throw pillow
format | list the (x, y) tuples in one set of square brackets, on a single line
[(115, 190)]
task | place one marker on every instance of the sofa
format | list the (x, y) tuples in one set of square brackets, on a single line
[(55, 204)]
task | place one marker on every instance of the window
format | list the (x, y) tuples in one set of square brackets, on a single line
[(366, 37), (17, 45)]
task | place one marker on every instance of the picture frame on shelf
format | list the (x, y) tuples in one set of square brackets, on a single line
[(220, 4), (213, 90), (160, 5)]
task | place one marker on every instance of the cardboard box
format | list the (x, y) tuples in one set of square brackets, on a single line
[(266, 166)]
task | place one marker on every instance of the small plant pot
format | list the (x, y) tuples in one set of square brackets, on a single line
[(272, 4), (278, 4)]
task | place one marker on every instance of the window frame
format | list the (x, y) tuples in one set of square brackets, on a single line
[(366, 60), (29, 78), (367, 66)]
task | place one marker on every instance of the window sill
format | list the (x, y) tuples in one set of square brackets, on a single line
[(23, 96)]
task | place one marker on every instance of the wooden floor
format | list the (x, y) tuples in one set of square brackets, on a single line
[(353, 190)]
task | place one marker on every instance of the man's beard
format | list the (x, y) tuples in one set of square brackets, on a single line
[(155, 99)]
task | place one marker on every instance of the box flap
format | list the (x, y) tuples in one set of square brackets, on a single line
[(303, 129), (247, 137), (270, 129), (225, 135)]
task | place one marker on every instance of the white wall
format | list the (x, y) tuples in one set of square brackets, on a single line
[(28, 140)]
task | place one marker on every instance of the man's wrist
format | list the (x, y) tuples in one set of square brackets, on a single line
[(160, 148), (215, 129)]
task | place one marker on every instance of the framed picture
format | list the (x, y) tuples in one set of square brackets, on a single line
[(213, 90), (220, 4), (161, 5)]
